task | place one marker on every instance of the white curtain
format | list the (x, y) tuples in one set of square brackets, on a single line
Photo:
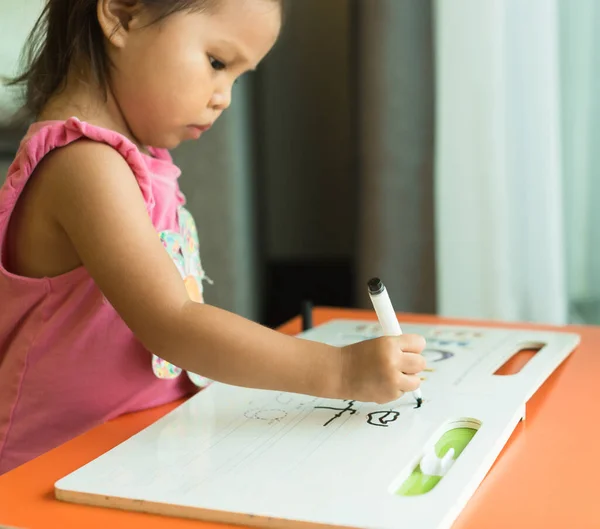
[(580, 45), (16, 21), (505, 159)]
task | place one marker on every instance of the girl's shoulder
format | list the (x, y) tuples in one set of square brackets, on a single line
[(62, 166), (73, 147), (44, 137)]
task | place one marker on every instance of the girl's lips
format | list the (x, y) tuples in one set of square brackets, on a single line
[(201, 128), (197, 130)]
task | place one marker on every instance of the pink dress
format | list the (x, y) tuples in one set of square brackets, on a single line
[(67, 360)]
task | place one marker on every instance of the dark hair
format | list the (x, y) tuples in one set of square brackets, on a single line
[(68, 32)]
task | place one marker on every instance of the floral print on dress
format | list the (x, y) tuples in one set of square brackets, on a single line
[(184, 249)]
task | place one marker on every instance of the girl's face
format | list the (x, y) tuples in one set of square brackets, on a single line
[(173, 79)]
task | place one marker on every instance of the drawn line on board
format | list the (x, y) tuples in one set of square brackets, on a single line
[(383, 422), (284, 398), (266, 444), (349, 408), (324, 439), (282, 432), (282, 429), (266, 414), (227, 431), (242, 422), (481, 358), (443, 355), (261, 444)]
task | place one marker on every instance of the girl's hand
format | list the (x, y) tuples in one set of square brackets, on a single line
[(383, 369)]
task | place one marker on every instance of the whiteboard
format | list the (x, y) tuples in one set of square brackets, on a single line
[(272, 459)]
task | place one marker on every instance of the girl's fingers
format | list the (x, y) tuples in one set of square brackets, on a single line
[(411, 363), (412, 343), (410, 383)]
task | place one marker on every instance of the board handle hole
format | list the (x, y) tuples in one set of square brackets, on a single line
[(516, 362), (437, 458)]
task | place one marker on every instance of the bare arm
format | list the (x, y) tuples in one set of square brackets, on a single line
[(93, 195)]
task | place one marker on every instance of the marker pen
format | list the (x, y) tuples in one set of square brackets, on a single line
[(387, 317)]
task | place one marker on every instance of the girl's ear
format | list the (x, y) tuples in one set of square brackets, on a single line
[(117, 18)]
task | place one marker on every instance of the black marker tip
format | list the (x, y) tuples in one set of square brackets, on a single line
[(419, 403), (375, 286)]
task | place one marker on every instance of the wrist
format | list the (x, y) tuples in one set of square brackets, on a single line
[(327, 373)]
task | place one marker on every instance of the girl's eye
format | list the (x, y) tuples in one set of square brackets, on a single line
[(216, 64)]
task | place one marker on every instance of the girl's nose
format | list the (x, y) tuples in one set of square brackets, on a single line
[(221, 99)]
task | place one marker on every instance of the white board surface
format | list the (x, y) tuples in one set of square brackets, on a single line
[(263, 458)]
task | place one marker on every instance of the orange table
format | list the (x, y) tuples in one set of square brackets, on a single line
[(547, 475)]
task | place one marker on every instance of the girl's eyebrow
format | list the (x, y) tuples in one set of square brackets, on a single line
[(240, 57)]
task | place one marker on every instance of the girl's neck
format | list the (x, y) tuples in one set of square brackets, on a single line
[(87, 102)]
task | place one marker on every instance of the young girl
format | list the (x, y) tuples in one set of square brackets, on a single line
[(100, 277)]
